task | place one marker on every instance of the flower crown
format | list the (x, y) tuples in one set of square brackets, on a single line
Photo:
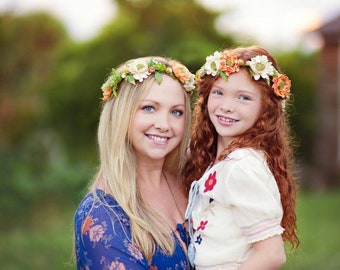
[(225, 63), (140, 69)]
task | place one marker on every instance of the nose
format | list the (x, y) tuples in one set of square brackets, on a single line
[(226, 106), (162, 122)]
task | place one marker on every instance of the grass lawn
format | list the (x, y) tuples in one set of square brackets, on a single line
[(48, 244), (318, 226)]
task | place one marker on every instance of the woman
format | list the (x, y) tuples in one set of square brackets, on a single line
[(133, 216)]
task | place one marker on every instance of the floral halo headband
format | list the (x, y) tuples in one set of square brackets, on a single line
[(226, 63), (140, 69)]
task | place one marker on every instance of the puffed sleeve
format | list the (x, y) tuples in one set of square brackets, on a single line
[(253, 193), (103, 239)]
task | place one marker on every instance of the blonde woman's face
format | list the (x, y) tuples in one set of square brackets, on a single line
[(158, 124)]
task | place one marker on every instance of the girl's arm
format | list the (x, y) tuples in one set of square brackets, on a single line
[(269, 255)]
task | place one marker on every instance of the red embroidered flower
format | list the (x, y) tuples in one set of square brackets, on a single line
[(210, 182), (202, 225)]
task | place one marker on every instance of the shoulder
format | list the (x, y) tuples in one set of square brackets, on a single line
[(245, 153), (99, 207), (94, 201), (247, 159)]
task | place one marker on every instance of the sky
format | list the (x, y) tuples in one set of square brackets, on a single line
[(272, 23)]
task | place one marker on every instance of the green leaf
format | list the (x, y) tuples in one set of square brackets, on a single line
[(114, 91), (129, 78), (158, 77), (223, 75)]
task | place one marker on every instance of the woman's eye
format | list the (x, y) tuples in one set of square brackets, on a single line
[(148, 108), (177, 113)]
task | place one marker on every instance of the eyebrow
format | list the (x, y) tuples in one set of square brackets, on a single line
[(157, 103)]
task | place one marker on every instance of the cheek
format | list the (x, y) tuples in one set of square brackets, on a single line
[(259, 111), (210, 104), (255, 115), (139, 121), (179, 127)]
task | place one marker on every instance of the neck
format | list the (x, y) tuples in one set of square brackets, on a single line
[(150, 178)]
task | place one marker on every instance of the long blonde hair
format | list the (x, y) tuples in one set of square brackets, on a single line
[(117, 173)]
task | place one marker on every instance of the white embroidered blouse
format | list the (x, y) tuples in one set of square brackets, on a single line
[(234, 204)]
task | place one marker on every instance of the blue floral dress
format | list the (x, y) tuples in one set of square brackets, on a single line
[(103, 239)]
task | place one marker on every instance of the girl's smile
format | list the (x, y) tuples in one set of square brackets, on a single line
[(234, 106)]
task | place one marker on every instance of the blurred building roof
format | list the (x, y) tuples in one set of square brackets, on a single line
[(330, 30)]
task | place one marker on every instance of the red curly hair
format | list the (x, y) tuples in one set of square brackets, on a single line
[(271, 134)]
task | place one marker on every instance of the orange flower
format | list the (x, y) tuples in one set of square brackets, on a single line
[(88, 222), (107, 92), (281, 85), (180, 71), (229, 63), (152, 69)]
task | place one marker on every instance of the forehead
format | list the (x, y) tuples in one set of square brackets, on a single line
[(169, 91), (240, 80)]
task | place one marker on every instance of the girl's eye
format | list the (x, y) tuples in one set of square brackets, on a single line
[(148, 108), (177, 113), (217, 92), (244, 97)]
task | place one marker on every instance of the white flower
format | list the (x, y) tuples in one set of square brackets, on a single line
[(212, 64), (189, 84), (139, 69), (260, 67), (201, 72)]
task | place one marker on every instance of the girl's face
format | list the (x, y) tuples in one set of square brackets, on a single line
[(234, 106), (158, 124)]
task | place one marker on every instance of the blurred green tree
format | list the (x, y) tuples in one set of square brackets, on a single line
[(302, 70), (28, 48), (180, 29)]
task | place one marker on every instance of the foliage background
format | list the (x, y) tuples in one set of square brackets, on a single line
[(49, 110)]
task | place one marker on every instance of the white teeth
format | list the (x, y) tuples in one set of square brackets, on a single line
[(157, 139), (224, 119)]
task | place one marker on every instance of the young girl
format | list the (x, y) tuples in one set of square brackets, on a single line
[(132, 217), (243, 204)]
